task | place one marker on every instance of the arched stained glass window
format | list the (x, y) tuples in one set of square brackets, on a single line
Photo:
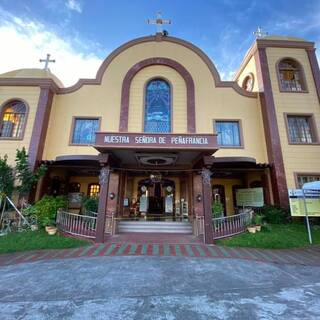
[(157, 116), (291, 75), (13, 119)]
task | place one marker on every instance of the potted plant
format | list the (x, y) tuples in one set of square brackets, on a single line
[(252, 229), (34, 227), (251, 226), (52, 230), (258, 221), (48, 224)]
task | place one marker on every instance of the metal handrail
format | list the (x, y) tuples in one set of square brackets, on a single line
[(231, 225), (76, 224)]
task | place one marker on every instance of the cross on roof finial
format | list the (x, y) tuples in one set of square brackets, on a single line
[(47, 61), (159, 22), (260, 33)]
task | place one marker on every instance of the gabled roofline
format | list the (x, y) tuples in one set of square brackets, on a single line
[(97, 80), (271, 43)]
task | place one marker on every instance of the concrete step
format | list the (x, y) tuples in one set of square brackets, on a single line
[(155, 223), (154, 227)]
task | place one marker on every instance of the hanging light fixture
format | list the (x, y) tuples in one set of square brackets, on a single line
[(155, 177)]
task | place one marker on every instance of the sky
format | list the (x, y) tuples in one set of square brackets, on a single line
[(79, 34)]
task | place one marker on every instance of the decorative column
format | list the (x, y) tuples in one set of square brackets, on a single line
[(113, 194), (207, 205), (314, 68), (266, 187), (40, 127), (102, 208), (271, 129)]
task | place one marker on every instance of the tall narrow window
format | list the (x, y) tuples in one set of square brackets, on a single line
[(93, 190), (84, 130), (304, 178), (290, 76), (247, 83), (157, 117), (301, 129), (228, 133), (13, 120)]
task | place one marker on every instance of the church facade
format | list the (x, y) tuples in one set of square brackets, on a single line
[(158, 133)]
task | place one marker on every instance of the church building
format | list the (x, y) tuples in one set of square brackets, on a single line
[(158, 135)]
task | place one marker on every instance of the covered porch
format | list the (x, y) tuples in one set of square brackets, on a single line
[(153, 186)]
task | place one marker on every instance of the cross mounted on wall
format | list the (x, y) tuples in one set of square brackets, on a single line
[(47, 61), (159, 22), (260, 33)]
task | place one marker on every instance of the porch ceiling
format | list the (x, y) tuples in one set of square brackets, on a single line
[(156, 150), (237, 163)]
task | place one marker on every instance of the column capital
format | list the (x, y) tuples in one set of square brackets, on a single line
[(103, 159), (206, 176), (104, 175)]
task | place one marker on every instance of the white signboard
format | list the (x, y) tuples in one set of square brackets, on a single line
[(298, 206), (169, 204), (143, 204), (252, 197)]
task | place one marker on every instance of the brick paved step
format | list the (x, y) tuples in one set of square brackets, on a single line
[(154, 227)]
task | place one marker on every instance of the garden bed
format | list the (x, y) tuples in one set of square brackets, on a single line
[(36, 240), (276, 236)]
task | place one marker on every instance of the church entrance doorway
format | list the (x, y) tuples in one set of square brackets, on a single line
[(156, 197)]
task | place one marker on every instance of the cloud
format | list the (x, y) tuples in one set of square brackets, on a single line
[(229, 53), (28, 40), (74, 5)]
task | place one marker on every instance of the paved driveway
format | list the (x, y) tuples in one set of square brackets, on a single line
[(130, 287)]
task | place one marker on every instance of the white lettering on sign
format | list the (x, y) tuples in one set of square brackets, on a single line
[(189, 140), (177, 140), (145, 139), (116, 139), (162, 140)]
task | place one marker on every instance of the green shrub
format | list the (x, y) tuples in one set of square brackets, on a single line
[(25, 176), (6, 177), (90, 204), (274, 214), (258, 219), (46, 209), (217, 209)]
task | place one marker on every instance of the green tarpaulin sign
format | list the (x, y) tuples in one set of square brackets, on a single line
[(252, 197)]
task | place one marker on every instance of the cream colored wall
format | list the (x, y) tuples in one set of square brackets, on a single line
[(84, 182), (252, 176), (31, 96), (249, 68), (252, 127), (297, 158), (227, 183), (178, 94), (104, 100)]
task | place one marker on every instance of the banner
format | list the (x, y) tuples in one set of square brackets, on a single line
[(252, 197), (297, 207)]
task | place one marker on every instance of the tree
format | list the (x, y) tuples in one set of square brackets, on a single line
[(6, 177), (25, 177)]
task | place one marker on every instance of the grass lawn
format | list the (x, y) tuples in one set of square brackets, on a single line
[(282, 236), (34, 240)]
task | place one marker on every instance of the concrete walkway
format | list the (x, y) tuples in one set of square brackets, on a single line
[(307, 256), (139, 288)]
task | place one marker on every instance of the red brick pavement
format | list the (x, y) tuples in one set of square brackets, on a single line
[(303, 256)]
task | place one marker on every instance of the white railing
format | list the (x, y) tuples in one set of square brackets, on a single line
[(76, 224), (110, 224), (198, 226), (231, 225)]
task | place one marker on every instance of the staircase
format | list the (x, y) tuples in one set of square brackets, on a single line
[(154, 227)]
